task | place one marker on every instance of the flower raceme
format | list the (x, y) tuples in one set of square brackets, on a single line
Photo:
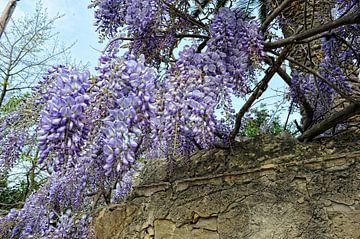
[(147, 22), (63, 126), (128, 88), (236, 42)]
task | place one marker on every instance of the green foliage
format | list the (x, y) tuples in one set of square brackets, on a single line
[(17, 185), (276, 127), (259, 121), (11, 197), (254, 8), (141, 158), (13, 103)]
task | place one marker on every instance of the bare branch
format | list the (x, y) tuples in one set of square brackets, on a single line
[(330, 122), (352, 18), (115, 39), (12, 204), (184, 35), (315, 73), (282, 73), (19, 88), (259, 90), (274, 14), (25, 51), (185, 16), (307, 110)]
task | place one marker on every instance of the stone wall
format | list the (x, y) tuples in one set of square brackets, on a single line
[(263, 188)]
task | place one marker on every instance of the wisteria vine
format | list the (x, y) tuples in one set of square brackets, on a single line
[(87, 132)]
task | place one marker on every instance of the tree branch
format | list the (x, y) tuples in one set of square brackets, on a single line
[(183, 35), (352, 18), (19, 88), (258, 91), (4, 88), (185, 16), (315, 73), (308, 112), (274, 14), (330, 122), (12, 204), (268, 60)]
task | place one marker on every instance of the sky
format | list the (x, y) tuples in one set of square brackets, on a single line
[(77, 25)]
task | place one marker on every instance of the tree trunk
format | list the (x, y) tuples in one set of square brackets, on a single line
[(6, 15), (4, 89)]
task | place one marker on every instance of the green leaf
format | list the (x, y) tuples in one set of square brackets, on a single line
[(13, 102)]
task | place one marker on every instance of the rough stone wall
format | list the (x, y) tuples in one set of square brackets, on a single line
[(263, 188)]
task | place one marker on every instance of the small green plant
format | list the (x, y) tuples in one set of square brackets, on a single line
[(259, 120)]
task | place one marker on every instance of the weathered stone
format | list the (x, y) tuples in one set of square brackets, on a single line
[(304, 191), (150, 231), (147, 236), (207, 224), (166, 229)]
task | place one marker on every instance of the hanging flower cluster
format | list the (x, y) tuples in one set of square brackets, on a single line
[(63, 126)]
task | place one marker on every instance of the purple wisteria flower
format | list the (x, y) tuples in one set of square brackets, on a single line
[(130, 95), (147, 22), (236, 43), (63, 126)]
